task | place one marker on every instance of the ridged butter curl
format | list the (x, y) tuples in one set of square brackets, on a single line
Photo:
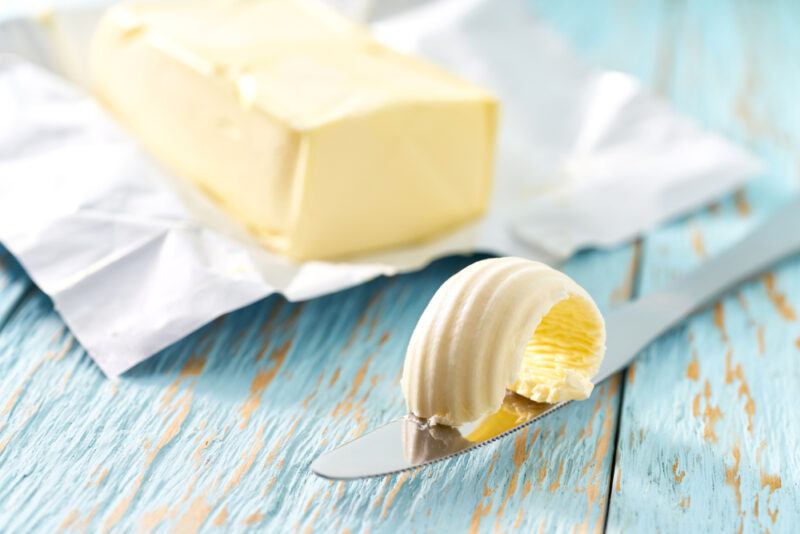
[(502, 323)]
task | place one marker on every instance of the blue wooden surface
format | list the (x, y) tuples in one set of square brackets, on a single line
[(221, 427), (714, 449), (216, 433)]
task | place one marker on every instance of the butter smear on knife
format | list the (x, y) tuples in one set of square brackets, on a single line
[(502, 324), (298, 123)]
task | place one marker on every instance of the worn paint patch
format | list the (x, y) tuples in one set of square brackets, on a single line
[(122, 506), (778, 299), (519, 518), (588, 430), (69, 519), (280, 444), (773, 482), (556, 484), (526, 488), (402, 478), (362, 319), (100, 477), (756, 125), (189, 491), (15, 396), (150, 520), (65, 348), (677, 474), (484, 506), (196, 514), (275, 310), (719, 320), (760, 339), (173, 428), (10, 436), (311, 501), (308, 398), (624, 291), (698, 243), (737, 373), (83, 524), (334, 377), (377, 501), (194, 366), (346, 404), (773, 515), (271, 483), (631, 375), (742, 204), (221, 518), (604, 441), (254, 519), (693, 370), (733, 479), (181, 411), (248, 457), (261, 382), (542, 474), (711, 415), (362, 423)]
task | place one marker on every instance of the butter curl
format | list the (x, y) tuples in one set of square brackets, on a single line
[(502, 323)]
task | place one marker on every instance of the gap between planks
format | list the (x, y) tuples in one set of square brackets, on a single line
[(631, 288)]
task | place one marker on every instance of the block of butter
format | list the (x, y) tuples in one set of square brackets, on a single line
[(323, 142)]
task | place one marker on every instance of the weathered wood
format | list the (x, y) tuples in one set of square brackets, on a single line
[(708, 429), (220, 428)]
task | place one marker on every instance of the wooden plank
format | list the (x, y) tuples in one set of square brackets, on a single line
[(219, 429), (708, 435), (13, 284)]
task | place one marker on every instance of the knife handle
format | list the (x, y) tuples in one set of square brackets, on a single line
[(633, 326)]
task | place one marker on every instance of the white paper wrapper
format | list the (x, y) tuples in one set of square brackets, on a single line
[(135, 260)]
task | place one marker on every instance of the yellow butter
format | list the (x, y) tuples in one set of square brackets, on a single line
[(563, 354), (502, 324), (320, 140), (514, 411)]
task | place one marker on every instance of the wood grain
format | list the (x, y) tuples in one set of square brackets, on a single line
[(216, 432), (219, 429), (708, 424)]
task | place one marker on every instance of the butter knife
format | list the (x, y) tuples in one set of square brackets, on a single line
[(407, 443)]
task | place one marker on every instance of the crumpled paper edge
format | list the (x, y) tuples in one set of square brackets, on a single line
[(519, 238)]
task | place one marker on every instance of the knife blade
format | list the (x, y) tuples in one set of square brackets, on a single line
[(408, 442)]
